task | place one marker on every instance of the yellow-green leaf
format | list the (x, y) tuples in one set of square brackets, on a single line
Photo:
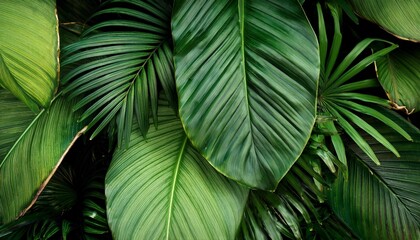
[(31, 148), (29, 50)]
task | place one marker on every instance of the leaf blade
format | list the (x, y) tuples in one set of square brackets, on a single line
[(38, 149), (169, 182), (249, 88), (29, 51)]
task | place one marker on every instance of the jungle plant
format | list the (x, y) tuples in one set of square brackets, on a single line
[(223, 119)]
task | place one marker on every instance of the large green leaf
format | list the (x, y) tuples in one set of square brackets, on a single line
[(382, 202), (400, 18), (162, 188), (399, 74), (246, 73), (29, 50), (31, 148)]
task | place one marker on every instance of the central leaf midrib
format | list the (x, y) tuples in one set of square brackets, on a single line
[(241, 12), (387, 186), (174, 181)]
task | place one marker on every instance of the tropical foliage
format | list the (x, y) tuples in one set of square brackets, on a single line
[(176, 119)]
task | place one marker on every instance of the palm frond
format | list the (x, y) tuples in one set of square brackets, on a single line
[(122, 59), (339, 95)]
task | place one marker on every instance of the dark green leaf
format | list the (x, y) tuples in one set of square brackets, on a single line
[(399, 74), (400, 18), (247, 84), (382, 202)]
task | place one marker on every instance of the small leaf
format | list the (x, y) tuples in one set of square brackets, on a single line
[(399, 74)]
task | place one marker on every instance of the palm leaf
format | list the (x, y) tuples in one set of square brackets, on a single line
[(31, 149), (246, 73), (399, 74), (339, 99), (400, 18), (384, 199), (121, 61), (161, 188), (29, 50)]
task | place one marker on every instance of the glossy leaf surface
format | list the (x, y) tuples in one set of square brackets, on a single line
[(162, 188), (246, 74), (29, 50)]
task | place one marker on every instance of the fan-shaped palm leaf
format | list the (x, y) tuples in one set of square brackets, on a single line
[(31, 149), (162, 188), (246, 73), (339, 99), (382, 202), (29, 50), (122, 58)]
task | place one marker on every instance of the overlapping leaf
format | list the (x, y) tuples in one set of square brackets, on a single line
[(339, 96), (246, 74), (401, 18), (31, 149), (122, 60), (29, 50), (293, 206), (399, 74), (162, 188), (382, 202)]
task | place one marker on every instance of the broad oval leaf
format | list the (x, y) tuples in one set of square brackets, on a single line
[(162, 188), (382, 202), (399, 74), (246, 73), (31, 148), (400, 18), (29, 50)]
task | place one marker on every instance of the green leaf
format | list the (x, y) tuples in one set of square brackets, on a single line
[(337, 39), (247, 84), (399, 74), (400, 18), (121, 60), (29, 50), (322, 36), (382, 202), (354, 134), (162, 188), (31, 148)]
